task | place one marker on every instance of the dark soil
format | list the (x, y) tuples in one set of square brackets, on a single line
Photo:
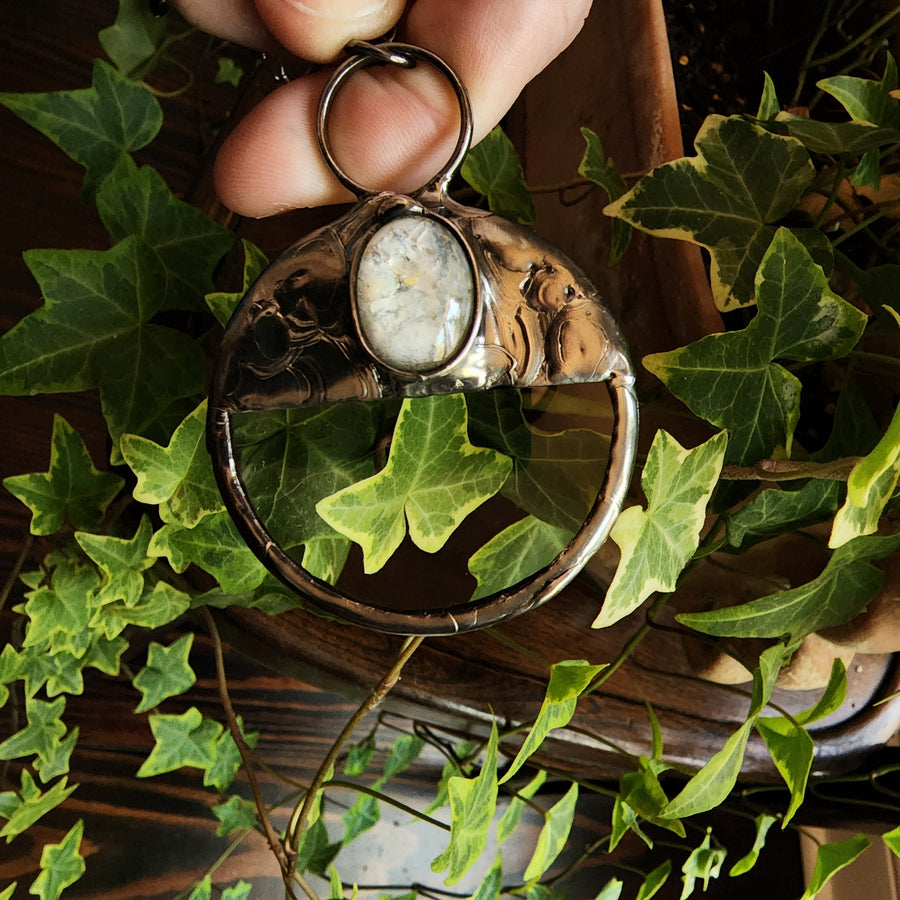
[(721, 48)]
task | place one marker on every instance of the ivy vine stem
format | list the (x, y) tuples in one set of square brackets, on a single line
[(375, 698), (272, 838)]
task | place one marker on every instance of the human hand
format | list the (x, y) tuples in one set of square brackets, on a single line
[(391, 128)]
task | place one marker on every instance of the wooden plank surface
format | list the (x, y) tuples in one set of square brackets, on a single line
[(153, 836)]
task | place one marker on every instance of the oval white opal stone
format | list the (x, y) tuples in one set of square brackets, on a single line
[(415, 294)]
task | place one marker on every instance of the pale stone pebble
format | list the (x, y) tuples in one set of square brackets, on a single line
[(415, 294)]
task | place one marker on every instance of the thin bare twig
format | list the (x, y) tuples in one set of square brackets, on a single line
[(303, 810)]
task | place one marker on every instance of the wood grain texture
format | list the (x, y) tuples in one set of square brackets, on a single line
[(149, 839)]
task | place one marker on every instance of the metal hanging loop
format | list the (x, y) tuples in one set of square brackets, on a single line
[(363, 55)]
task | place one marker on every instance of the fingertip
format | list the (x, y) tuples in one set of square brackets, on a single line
[(318, 30)]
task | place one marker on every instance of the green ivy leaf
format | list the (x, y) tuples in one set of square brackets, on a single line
[(705, 862), (216, 546), (185, 740), (178, 477), (568, 680), (763, 823), (512, 816), (869, 487), (203, 889), (316, 851), (227, 758), (223, 303), (8, 892), (292, 459), (515, 553), (360, 755), (654, 881), (472, 805), (60, 612), (404, 753), (235, 814), (134, 38), (838, 138), (71, 489), (712, 784), (167, 673), (869, 101), (56, 762), (94, 331), (844, 588), (554, 834), (42, 735), (792, 751), (774, 511), (729, 199), (158, 606), (597, 167), (122, 561), (892, 840), (732, 380), (97, 126), (769, 107), (21, 810), (556, 475), (187, 243), (61, 865), (433, 479), (830, 859), (612, 890), (657, 543), (641, 795), (359, 818), (493, 169), (832, 697), (325, 557), (492, 884), (228, 72), (239, 891)]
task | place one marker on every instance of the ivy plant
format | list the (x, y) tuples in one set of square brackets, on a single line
[(140, 542)]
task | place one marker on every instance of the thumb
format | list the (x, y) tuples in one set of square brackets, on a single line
[(317, 30)]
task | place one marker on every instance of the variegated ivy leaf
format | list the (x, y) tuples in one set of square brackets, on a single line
[(657, 543), (433, 479), (493, 169), (868, 101), (733, 380), (61, 865), (122, 561), (472, 805), (554, 834), (597, 167), (729, 198), (842, 591), (179, 477), (185, 740), (830, 859), (71, 489), (97, 126), (23, 808), (216, 546), (568, 679), (167, 673), (870, 485)]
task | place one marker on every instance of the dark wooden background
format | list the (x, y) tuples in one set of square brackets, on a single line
[(296, 679)]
